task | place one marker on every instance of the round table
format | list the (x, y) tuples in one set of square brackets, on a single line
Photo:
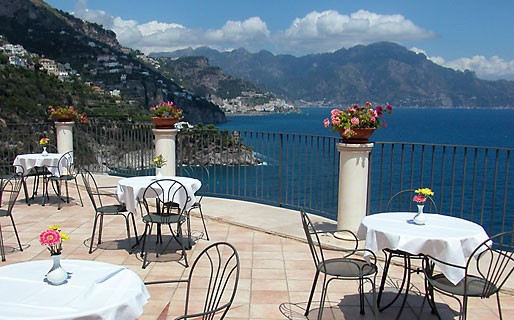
[(94, 290)]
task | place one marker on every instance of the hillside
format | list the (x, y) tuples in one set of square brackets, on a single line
[(380, 72), (97, 57)]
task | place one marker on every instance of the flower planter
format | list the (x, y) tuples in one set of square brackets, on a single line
[(63, 118), (361, 135), (164, 123)]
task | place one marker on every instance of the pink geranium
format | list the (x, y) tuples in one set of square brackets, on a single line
[(49, 237)]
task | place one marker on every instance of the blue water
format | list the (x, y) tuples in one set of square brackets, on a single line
[(472, 127)]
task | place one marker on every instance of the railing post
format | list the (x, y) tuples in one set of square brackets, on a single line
[(353, 184), (64, 136), (165, 144)]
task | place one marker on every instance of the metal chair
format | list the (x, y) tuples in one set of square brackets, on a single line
[(9, 190), (401, 201), (66, 171), (164, 203), (487, 269), (101, 210), (350, 266), (201, 173), (212, 282)]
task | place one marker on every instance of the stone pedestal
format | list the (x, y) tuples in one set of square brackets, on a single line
[(165, 144), (64, 136), (353, 184)]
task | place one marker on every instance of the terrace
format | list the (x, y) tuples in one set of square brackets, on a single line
[(277, 268)]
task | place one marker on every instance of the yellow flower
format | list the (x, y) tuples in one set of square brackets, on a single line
[(159, 161), (64, 236), (427, 192), (55, 227), (44, 141)]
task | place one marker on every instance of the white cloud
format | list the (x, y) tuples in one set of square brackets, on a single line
[(330, 31), (491, 69)]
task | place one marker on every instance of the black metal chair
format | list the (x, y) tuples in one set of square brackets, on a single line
[(487, 269), (201, 173), (212, 282), (164, 203), (66, 171), (101, 210), (401, 201), (10, 187), (350, 266)]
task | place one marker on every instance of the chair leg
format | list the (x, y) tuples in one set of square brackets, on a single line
[(499, 304), (203, 221), (148, 232), (93, 234), (2, 249), (78, 191), (101, 228), (16, 232), (311, 295), (361, 295), (135, 228)]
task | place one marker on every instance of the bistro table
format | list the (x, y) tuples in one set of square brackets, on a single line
[(37, 160), (447, 238), (94, 290), (129, 190)]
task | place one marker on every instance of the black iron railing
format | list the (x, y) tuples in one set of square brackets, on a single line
[(295, 170)]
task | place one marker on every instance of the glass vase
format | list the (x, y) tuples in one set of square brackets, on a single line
[(44, 153)]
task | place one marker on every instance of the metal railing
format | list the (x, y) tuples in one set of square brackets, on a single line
[(295, 170)]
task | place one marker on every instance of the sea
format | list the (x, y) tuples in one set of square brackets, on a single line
[(485, 127)]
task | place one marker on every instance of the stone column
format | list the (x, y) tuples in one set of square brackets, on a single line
[(353, 184), (165, 144), (64, 136)]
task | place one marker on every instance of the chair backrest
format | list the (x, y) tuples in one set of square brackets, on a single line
[(212, 282), (312, 239), (66, 165), (494, 261), (9, 170), (402, 201), (166, 198), (9, 191), (91, 188)]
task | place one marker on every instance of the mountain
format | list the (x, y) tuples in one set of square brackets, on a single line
[(381, 72), (95, 54)]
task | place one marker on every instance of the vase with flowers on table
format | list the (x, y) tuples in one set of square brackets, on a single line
[(52, 238), (159, 162), (44, 143), (422, 195), (356, 124)]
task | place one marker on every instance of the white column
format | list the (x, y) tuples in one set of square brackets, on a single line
[(165, 144), (353, 184), (64, 136)]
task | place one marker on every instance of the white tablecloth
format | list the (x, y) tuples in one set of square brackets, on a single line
[(94, 290), (32, 160), (129, 190), (447, 238)]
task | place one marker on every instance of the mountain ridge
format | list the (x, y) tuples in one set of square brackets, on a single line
[(382, 72)]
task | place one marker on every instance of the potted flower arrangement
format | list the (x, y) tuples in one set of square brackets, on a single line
[(52, 238), (355, 124), (66, 114), (165, 115)]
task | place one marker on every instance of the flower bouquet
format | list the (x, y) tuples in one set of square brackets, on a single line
[(354, 121), (159, 162), (422, 195), (52, 238), (66, 114)]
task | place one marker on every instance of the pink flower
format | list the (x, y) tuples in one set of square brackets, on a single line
[(419, 199), (336, 121), (49, 237), (347, 131), (326, 122), (355, 121), (373, 119), (389, 108)]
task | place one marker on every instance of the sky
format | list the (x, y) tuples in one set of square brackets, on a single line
[(461, 34)]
